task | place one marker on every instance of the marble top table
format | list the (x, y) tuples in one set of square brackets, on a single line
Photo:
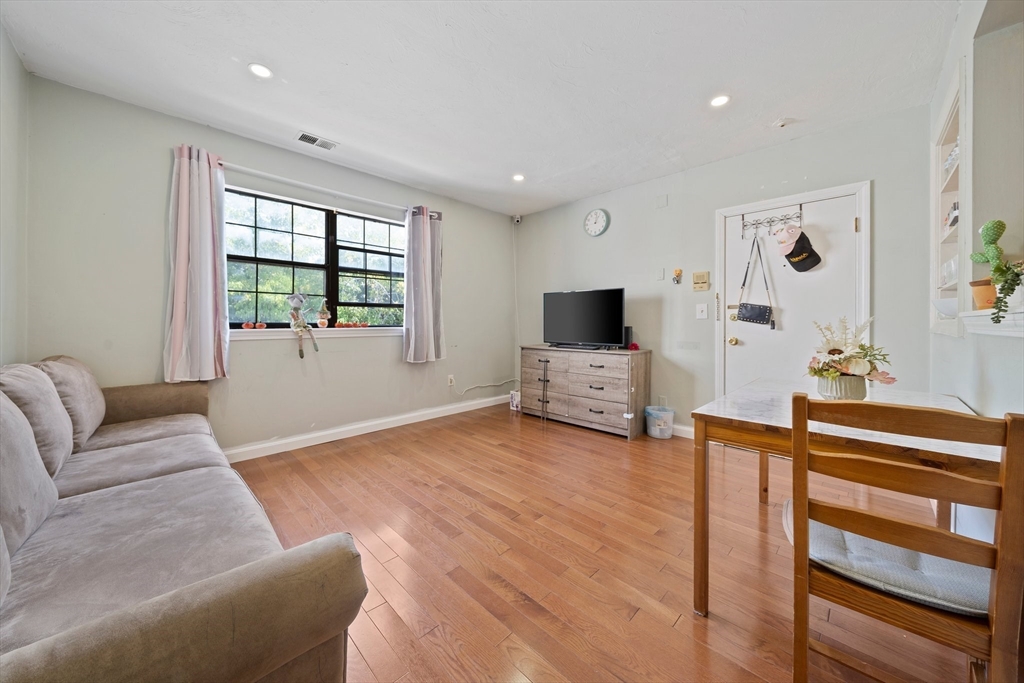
[(758, 417)]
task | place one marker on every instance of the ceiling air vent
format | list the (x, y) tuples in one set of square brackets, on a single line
[(316, 141)]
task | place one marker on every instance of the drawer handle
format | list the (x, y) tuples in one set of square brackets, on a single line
[(599, 412), (596, 388), (596, 366), (540, 400), (541, 379), (543, 360)]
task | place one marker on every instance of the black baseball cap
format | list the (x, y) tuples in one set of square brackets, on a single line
[(803, 257)]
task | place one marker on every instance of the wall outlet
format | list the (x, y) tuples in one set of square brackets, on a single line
[(702, 311), (451, 380), (663, 401)]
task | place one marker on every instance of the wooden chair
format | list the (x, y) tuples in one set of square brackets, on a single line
[(994, 642)]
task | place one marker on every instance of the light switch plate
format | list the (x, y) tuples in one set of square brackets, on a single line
[(702, 311), (659, 273)]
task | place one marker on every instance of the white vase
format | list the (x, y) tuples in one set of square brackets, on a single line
[(843, 388)]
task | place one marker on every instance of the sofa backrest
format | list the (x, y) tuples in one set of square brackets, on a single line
[(80, 394), (27, 493), (34, 394)]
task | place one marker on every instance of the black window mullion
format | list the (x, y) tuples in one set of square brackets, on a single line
[(331, 285)]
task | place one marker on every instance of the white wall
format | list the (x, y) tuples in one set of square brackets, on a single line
[(554, 253), (99, 187), (13, 205)]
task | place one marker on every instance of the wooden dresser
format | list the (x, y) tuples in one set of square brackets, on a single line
[(595, 389)]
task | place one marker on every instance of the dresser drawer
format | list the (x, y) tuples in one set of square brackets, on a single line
[(600, 364), (602, 388), (603, 412), (558, 404), (558, 382), (557, 361)]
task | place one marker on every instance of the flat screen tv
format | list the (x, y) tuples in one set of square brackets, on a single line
[(591, 318)]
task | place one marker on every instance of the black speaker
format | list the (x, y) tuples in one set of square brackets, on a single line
[(628, 337)]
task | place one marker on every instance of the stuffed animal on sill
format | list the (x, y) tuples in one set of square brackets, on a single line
[(298, 316)]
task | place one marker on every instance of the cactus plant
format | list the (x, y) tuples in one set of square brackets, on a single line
[(1005, 275), (991, 252)]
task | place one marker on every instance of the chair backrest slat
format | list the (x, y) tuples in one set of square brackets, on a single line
[(928, 423), (915, 480), (909, 535)]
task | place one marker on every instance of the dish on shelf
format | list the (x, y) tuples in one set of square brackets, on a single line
[(947, 308)]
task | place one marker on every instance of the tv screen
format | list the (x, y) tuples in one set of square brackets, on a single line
[(595, 317)]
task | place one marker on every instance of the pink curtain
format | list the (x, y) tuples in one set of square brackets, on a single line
[(196, 333), (424, 327)]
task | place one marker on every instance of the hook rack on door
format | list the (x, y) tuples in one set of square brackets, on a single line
[(771, 221)]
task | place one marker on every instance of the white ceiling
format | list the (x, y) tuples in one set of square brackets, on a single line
[(581, 97)]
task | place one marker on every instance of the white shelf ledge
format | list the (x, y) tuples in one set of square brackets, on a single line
[(980, 322)]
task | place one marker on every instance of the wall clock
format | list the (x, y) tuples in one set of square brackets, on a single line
[(596, 222)]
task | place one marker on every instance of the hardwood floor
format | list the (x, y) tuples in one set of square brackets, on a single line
[(498, 548)]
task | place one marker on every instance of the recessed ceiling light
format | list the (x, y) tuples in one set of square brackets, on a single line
[(719, 101), (519, 177), (260, 70)]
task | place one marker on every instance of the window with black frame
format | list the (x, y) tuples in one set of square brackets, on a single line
[(276, 247)]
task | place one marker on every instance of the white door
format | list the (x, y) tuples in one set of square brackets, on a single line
[(834, 288)]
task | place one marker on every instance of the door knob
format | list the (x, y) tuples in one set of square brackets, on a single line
[(733, 341)]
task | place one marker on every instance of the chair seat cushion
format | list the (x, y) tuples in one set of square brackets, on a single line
[(87, 471), (149, 429), (926, 579), (114, 548)]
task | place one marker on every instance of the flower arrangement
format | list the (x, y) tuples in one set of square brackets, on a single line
[(844, 353)]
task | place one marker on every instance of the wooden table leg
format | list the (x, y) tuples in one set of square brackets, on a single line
[(763, 476), (700, 518)]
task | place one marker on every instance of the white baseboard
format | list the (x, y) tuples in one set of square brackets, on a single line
[(683, 431), (262, 448)]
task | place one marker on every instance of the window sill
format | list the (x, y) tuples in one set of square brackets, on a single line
[(325, 333)]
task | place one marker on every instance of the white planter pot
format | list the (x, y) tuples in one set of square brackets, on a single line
[(843, 388)]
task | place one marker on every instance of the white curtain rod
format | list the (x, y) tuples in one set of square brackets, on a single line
[(316, 188)]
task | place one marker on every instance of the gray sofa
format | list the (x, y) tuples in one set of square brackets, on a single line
[(130, 551)]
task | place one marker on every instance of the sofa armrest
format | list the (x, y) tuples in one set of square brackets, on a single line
[(237, 626), (139, 401)]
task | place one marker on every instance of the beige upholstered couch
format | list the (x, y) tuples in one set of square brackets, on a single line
[(130, 551)]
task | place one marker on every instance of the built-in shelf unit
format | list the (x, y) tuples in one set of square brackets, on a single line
[(950, 218)]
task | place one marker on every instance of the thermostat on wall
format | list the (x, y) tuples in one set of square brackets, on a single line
[(700, 281)]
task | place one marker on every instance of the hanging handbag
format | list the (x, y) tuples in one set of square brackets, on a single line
[(755, 313)]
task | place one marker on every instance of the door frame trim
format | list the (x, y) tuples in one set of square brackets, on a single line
[(862, 192)]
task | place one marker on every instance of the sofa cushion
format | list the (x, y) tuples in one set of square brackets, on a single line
[(150, 429), (80, 394), (34, 394), (114, 548), (5, 568), (87, 471), (27, 494)]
